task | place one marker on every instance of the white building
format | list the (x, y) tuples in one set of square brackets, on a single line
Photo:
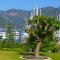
[(57, 33), (16, 35), (24, 36), (3, 34), (35, 11), (57, 36)]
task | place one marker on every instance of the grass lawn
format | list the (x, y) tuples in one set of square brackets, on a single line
[(9, 55), (54, 56), (12, 55)]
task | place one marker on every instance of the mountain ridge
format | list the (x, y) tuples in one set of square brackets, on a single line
[(18, 17)]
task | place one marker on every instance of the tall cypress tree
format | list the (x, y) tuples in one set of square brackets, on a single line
[(10, 36), (0, 42)]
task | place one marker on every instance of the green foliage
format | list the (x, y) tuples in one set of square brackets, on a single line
[(5, 43), (47, 44), (0, 42), (17, 45), (23, 48), (42, 26), (27, 53), (30, 42), (6, 49)]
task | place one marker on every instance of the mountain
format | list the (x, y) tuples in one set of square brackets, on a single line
[(18, 17), (51, 11), (15, 17)]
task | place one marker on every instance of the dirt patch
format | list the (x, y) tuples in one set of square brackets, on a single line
[(31, 57)]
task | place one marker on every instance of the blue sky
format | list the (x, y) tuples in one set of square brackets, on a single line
[(27, 4)]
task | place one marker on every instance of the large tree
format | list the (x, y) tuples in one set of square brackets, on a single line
[(40, 27)]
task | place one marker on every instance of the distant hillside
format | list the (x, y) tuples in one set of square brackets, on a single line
[(50, 11), (18, 17), (15, 17)]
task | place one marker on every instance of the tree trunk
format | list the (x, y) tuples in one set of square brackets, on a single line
[(38, 48)]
